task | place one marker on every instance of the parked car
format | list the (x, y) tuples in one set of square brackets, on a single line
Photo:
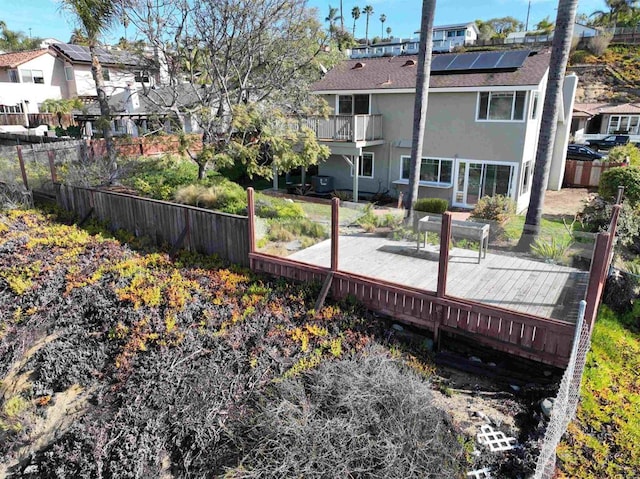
[(608, 142), (582, 153)]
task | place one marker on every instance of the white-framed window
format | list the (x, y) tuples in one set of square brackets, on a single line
[(535, 104), (501, 105), (624, 124), (365, 165), (13, 76), (353, 104), (433, 171), (68, 73), (32, 76), (526, 178), (106, 74)]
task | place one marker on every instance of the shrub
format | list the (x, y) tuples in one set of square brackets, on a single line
[(342, 195), (431, 205), (226, 196), (365, 417), (596, 216), (598, 45), (627, 176), (288, 230), (620, 154), (494, 208), (269, 207)]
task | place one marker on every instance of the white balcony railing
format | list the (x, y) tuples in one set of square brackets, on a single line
[(346, 127)]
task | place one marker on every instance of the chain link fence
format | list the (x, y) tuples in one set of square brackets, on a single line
[(566, 402)]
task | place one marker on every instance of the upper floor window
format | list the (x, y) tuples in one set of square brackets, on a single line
[(32, 76), (365, 165), (68, 73), (353, 105), (535, 100), (141, 76), (13, 76), (106, 74), (501, 106), (432, 170)]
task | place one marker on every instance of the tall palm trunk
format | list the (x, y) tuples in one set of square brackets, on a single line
[(557, 68), (341, 18), (366, 32), (420, 106), (105, 113)]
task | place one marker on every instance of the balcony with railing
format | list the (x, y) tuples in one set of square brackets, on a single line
[(347, 128)]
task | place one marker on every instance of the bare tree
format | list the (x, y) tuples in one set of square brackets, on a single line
[(560, 51), (422, 97)]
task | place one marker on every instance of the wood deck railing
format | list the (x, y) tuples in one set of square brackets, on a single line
[(350, 128), (523, 335)]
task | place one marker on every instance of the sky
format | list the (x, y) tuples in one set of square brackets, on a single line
[(45, 19)]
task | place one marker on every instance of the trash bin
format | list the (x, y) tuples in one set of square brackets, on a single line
[(322, 183)]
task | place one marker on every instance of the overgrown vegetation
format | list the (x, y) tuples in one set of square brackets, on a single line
[(494, 208), (192, 368), (602, 442), (627, 176), (431, 205), (628, 153)]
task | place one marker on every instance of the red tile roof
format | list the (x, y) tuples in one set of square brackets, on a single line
[(624, 109), (395, 73), (12, 60), (592, 109)]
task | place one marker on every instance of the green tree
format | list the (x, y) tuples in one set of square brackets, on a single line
[(383, 18), (94, 17), (61, 106), (618, 11), (355, 14), (420, 105), (545, 25), (368, 11), (78, 38), (14, 41), (560, 50), (332, 18), (503, 26), (388, 33), (486, 30)]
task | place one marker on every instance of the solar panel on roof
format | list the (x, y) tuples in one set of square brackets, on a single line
[(440, 62), (463, 62), (487, 60), (513, 59)]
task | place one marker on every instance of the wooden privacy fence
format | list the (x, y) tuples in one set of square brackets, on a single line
[(586, 173), (524, 335), (181, 226)]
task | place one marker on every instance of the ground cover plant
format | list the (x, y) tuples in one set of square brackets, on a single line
[(603, 440), (125, 363)]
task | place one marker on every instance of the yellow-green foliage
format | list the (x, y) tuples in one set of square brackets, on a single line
[(11, 412), (20, 278), (603, 441)]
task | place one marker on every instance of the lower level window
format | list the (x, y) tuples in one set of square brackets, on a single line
[(365, 166), (432, 170)]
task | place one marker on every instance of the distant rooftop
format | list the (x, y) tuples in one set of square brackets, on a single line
[(15, 59)]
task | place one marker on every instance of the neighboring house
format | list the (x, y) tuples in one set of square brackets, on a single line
[(596, 120), (27, 79), (445, 39), (137, 112), (119, 69), (534, 36), (483, 123)]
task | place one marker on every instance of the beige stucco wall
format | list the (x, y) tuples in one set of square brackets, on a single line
[(118, 80)]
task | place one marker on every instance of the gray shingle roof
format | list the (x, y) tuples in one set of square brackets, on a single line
[(389, 73)]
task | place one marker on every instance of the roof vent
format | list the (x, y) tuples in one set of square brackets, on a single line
[(359, 65), (409, 63)]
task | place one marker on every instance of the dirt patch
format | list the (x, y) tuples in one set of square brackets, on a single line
[(566, 202)]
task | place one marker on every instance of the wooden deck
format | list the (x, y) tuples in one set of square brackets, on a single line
[(507, 281)]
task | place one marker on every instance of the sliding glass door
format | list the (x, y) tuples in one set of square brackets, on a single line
[(475, 180)]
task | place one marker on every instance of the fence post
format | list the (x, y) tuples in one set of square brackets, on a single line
[(22, 168), (597, 277), (445, 239), (52, 165), (335, 234), (251, 218)]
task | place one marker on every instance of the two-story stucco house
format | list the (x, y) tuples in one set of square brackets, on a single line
[(28, 78), (482, 128), (119, 69)]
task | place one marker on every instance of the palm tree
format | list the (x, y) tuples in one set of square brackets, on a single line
[(78, 38), (332, 18), (61, 106), (389, 33), (368, 10), (355, 13), (616, 8), (560, 49), (341, 18), (420, 106), (383, 18), (94, 17)]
